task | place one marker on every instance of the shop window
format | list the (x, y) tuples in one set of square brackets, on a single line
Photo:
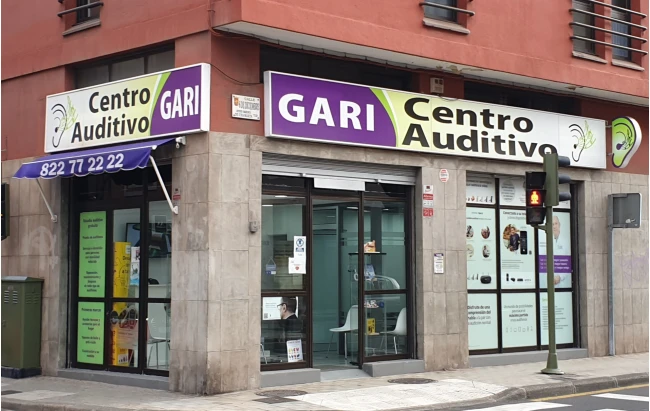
[(320, 66), (124, 68), (583, 46), (124, 271), (618, 53), (503, 256), (523, 98)]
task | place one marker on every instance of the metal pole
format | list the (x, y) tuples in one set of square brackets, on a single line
[(551, 362), (610, 274)]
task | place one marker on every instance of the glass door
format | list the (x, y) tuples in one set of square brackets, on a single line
[(335, 282)]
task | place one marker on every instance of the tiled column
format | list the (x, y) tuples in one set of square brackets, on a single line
[(215, 282), (37, 247), (442, 298)]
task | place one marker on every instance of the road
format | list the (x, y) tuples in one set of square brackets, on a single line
[(626, 399)]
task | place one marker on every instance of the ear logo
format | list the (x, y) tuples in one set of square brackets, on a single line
[(584, 140), (64, 118), (626, 139)]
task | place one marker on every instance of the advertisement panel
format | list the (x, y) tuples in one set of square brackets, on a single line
[(304, 108), (518, 320), (480, 237), (482, 321), (563, 317), (92, 254), (154, 105), (90, 333), (561, 252), (517, 250)]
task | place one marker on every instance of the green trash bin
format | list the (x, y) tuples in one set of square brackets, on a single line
[(21, 326)]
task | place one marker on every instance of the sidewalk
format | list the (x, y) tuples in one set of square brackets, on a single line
[(467, 387)]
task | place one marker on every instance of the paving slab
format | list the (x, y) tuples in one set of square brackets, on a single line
[(447, 389)]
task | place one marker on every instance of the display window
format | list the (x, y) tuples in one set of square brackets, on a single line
[(336, 276), (506, 269), (121, 280)]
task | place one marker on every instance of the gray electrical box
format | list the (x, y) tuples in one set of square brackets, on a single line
[(624, 210)]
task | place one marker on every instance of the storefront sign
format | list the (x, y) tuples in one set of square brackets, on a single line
[(517, 250), (92, 254), (626, 140), (155, 105), (482, 321), (246, 107), (305, 108), (561, 252), (480, 237), (518, 320), (563, 317), (90, 333)]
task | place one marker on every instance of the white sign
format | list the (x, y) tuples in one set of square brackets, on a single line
[(299, 249), (154, 105), (517, 250), (294, 350), (481, 242), (270, 309), (296, 267), (561, 250), (246, 107), (298, 107), (518, 320), (438, 263), (480, 189), (563, 317), (444, 175), (482, 321)]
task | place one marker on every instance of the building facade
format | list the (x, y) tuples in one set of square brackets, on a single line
[(274, 151)]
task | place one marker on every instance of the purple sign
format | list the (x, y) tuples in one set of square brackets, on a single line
[(302, 107), (562, 264)]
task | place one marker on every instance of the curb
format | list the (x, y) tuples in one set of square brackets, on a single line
[(533, 392), (530, 392)]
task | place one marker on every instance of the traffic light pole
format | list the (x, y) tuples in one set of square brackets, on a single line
[(551, 361)]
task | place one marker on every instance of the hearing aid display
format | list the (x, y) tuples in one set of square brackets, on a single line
[(481, 249), (517, 241)]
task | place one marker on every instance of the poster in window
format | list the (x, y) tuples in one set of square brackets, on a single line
[(561, 251), (92, 254), (517, 243), (90, 333), (480, 189), (518, 320), (480, 238), (563, 317), (294, 350), (482, 321), (512, 191)]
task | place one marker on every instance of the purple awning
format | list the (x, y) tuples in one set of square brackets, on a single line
[(95, 161)]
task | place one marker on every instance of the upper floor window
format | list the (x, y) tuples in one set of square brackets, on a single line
[(579, 29), (124, 68), (619, 53), (441, 13), (89, 13)]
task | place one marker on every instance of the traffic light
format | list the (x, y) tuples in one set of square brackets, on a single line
[(4, 213), (552, 163), (535, 197)]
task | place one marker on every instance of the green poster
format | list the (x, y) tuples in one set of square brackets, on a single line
[(92, 254), (90, 333)]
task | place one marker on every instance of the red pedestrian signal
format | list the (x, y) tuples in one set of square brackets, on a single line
[(534, 198)]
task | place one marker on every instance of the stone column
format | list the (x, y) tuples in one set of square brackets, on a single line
[(215, 278)]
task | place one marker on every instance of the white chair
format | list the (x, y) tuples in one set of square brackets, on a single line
[(399, 330), (154, 342), (351, 324)]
